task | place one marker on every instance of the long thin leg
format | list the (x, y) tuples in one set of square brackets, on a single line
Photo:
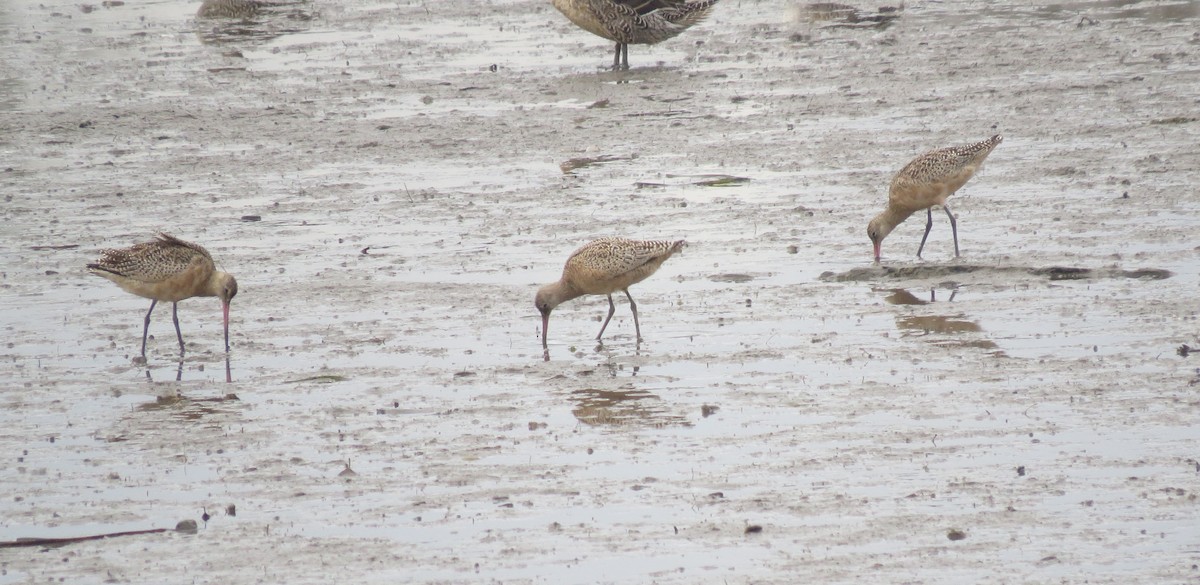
[(611, 309), (633, 308), (175, 318), (146, 327), (953, 228), (617, 58), (624, 56), (928, 226)]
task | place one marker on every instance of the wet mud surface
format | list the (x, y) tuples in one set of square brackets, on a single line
[(390, 182)]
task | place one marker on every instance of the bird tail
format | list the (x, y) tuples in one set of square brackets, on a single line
[(665, 23)]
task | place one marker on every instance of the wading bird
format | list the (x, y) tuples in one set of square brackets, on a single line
[(928, 181), (634, 22), (602, 267), (170, 270)]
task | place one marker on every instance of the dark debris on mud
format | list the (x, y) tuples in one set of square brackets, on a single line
[(927, 271)]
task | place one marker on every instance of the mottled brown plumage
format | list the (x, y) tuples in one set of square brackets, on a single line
[(242, 9), (928, 181), (634, 22), (845, 15), (167, 269), (820, 11), (602, 267)]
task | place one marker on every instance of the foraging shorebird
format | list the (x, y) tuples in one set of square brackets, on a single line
[(167, 269), (928, 181), (634, 22), (602, 267), (242, 9)]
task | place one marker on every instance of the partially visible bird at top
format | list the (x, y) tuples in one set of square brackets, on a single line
[(243, 9), (167, 269), (928, 181), (634, 22)]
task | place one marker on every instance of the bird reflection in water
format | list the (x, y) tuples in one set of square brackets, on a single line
[(624, 406), (179, 370), (950, 330)]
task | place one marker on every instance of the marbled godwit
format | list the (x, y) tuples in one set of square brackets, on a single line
[(928, 181), (602, 267), (242, 9), (167, 269), (634, 22)]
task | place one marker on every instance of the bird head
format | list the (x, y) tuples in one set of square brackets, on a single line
[(227, 288), (877, 230), (547, 298)]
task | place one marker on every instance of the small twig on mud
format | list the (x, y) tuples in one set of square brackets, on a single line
[(62, 247), (61, 541)]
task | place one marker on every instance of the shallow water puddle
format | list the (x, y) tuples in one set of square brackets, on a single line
[(1124, 9), (944, 324), (625, 406), (192, 409)]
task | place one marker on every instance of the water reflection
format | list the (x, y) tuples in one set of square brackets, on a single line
[(948, 326), (180, 406), (1153, 12), (954, 330), (179, 370), (940, 324), (899, 296), (835, 14), (251, 22), (625, 406), (598, 348)]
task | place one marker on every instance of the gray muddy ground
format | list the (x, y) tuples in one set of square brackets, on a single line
[(390, 181)]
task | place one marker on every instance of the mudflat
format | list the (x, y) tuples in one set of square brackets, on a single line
[(390, 182)]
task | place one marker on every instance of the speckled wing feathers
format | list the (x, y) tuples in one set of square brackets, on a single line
[(153, 261), (229, 9), (937, 165), (616, 255), (635, 21)]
